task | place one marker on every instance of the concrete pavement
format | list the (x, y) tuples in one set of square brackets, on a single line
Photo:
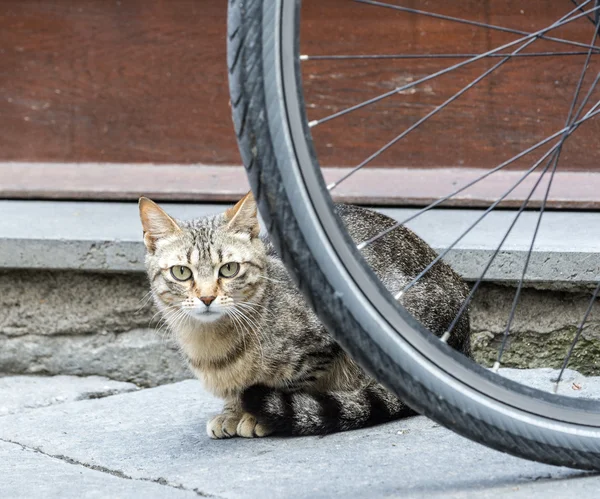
[(152, 443)]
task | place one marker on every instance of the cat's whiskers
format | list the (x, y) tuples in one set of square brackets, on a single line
[(258, 331), (159, 312), (254, 315), (234, 314), (259, 316), (163, 317), (168, 311), (180, 320), (249, 325), (269, 279), (246, 305), (252, 304), (165, 312), (253, 328), (170, 320), (237, 326), (144, 300), (164, 330)]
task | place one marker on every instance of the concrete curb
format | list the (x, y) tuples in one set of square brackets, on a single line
[(106, 237)]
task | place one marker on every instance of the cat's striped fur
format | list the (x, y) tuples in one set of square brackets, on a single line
[(263, 350)]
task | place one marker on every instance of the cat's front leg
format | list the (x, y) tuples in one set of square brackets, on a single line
[(225, 425)]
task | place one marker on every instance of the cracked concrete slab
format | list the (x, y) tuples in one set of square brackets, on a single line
[(158, 434), (29, 473), (21, 393)]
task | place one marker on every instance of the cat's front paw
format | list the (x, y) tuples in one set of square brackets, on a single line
[(222, 426), (248, 427)]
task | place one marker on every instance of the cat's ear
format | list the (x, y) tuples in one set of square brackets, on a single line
[(243, 216), (156, 223)]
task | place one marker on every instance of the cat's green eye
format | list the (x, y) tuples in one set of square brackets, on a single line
[(229, 269), (181, 273)]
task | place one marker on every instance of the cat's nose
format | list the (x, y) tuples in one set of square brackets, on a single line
[(207, 300)]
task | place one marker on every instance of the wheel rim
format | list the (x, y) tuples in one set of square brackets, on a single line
[(392, 328)]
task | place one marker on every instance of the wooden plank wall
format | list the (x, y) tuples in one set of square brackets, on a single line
[(115, 81), (145, 81), (524, 101)]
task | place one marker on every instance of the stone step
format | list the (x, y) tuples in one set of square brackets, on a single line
[(73, 296), (104, 236)]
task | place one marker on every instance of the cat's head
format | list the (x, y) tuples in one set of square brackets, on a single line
[(206, 268)]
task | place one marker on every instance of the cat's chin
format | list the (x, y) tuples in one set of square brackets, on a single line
[(206, 317)]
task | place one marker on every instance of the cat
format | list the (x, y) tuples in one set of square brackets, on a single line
[(248, 334)]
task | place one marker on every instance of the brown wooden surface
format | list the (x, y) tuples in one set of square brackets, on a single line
[(116, 81), (375, 186), (145, 81), (523, 102)]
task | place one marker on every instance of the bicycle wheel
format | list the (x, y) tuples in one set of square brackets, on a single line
[(277, 149)]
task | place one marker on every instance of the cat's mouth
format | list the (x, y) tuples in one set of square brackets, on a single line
[(208, 312), (205, 314)]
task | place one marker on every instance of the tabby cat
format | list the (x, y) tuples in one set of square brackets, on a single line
[(248, 334)]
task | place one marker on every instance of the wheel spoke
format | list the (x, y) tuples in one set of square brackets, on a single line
[(515, 302), (473, 290), (554, 148), (305, 57), (576, 337), (547, 193), (450, 68), (590, 114), (469, 298), (580, 7), (480, 24), (479, 219), (418, 123)]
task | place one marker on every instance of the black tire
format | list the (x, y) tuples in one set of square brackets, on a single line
[(276, 147)]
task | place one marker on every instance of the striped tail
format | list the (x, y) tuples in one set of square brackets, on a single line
[(318, 413)]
